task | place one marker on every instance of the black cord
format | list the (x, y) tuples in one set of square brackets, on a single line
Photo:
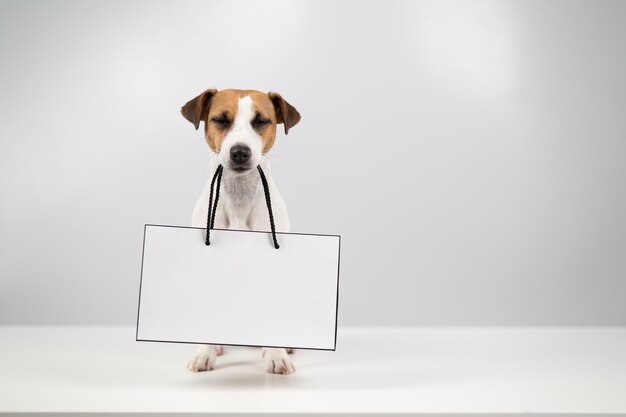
[(211, 214), (210, 222), (217, 196), (268, 201)]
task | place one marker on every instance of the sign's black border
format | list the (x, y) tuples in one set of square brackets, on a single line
[(231, 344)]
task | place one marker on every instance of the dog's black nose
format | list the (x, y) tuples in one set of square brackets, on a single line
[(240, 154)]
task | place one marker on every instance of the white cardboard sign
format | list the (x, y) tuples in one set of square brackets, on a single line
[(240, 290)]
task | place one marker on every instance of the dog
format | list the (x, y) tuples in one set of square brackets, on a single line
[(240, 129)]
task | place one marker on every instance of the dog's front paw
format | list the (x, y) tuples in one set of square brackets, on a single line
[(201, 363), (277, 361), (203, 359)]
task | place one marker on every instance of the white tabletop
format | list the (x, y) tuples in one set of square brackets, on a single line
[(391, 370)]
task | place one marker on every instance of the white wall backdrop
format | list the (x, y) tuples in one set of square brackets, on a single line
[(472, 154)]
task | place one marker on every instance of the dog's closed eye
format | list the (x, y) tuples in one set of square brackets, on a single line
[(259, 121), (222, 120)]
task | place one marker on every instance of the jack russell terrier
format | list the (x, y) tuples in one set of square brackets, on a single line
[(240, 128)]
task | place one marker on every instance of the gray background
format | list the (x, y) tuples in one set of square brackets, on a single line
[(471, 153)]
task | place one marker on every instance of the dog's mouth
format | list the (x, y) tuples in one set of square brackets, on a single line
[(240, 168)]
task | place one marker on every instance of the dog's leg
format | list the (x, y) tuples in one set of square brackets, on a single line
[(277, 361), (204, 358)]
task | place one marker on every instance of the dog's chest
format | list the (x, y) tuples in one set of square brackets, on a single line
[(240, 196)]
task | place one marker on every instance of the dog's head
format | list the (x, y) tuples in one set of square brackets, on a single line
[(240, 125)]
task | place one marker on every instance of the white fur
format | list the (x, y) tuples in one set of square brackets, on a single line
[(242, 132), (242, 206)]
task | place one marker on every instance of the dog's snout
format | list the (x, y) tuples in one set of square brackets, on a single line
[(240, 154)]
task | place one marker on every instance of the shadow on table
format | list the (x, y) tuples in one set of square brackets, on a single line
[(373, 366), (357, 365)]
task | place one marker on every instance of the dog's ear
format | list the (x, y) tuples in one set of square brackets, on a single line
[(196, 110), (285, 112)]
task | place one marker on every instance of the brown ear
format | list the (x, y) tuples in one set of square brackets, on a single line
[(285, 112), (197, 109)]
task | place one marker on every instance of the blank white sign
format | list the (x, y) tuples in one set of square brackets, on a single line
[(240, 290)]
